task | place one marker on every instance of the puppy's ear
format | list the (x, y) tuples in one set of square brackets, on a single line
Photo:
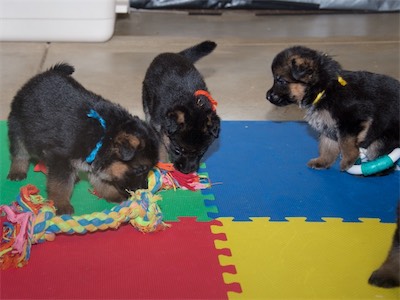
[(175, 121), (213, 125), (302, 69), (126, 145)]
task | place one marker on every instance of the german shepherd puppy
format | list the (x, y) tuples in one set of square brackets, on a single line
[(177, 103), (388, 274), (349, 109), (56, 120)]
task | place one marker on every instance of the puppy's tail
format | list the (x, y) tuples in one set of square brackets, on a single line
[(63, 68), (198, 51)]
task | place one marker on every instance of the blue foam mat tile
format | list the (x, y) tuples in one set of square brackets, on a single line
[(261, 170)]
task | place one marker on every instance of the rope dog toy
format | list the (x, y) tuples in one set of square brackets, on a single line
[(380, 164), (31, 219)]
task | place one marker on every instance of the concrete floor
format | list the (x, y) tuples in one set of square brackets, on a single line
[(237, 72)]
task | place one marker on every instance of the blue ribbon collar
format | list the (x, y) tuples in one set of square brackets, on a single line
[(93, 114)]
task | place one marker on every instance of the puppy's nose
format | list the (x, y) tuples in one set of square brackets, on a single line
[(271, 96), (186, 168)]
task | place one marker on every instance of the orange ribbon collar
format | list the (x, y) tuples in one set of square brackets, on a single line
[(206, 94)]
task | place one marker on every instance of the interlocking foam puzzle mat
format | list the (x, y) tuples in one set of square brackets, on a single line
[(268, 228)]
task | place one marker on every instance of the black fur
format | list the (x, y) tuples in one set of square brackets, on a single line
[(388, 274), (49, 122), (187, 124), (363, 113)]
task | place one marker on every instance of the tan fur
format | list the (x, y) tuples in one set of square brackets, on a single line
[(117, 170), (131, 139), (19, 168), (298, 60), (105, 190), (180, 117), (303, 63), (60, 192), (373, 150), (20, 162), (361, 136), (328, 152), (163, 149), (350, 151), (297, 91)]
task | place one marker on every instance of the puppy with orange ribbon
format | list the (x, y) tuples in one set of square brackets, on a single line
[(177, 103)]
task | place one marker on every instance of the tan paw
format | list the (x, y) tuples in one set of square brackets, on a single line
[(318, 163), (64, 209), (346, 164)]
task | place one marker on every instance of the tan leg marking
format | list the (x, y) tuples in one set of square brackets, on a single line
[(105, 190), (350, 151), (19, 168), (60, 192), (361, 136), (328, 152)]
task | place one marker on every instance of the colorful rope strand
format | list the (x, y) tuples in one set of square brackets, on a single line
[(31, 219)]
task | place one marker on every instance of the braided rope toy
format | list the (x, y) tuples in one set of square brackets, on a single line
[(32, 219)]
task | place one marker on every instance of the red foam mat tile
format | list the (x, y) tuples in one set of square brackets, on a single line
[(179, 263)]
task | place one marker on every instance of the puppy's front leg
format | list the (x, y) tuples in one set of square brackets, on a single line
[(19, 159), (60, 183), (328, 152), (388, 275), (163, 149), (350, 151)]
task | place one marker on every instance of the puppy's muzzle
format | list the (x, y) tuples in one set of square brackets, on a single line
[(187, 165), (276, 99)]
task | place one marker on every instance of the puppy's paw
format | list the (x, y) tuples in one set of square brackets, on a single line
[(384, 278), (64, 209), (318, 164), (346, 164), (16, 176)]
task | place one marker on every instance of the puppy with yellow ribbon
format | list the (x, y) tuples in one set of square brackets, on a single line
[(349, 109)]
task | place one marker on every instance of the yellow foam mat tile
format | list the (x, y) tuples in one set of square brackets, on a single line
[(305, 260)]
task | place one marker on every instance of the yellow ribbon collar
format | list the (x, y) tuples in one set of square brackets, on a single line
[(319, 96)]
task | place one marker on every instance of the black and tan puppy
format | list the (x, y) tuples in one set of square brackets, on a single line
[(388, 274), (349, 109), (56, 120), (177, 103)]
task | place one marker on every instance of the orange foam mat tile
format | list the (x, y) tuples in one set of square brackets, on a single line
[(305, 260)]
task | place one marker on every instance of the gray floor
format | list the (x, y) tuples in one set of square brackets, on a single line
[(237, 72)]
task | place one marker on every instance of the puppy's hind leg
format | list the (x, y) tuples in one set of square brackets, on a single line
[(60, 183), (350, 151), (328, 152), (19, 154), (147, 103)]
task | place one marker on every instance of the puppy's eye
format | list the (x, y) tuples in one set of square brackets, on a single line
[(280, 80), (177, 151), (140, 170), (200, 102)]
